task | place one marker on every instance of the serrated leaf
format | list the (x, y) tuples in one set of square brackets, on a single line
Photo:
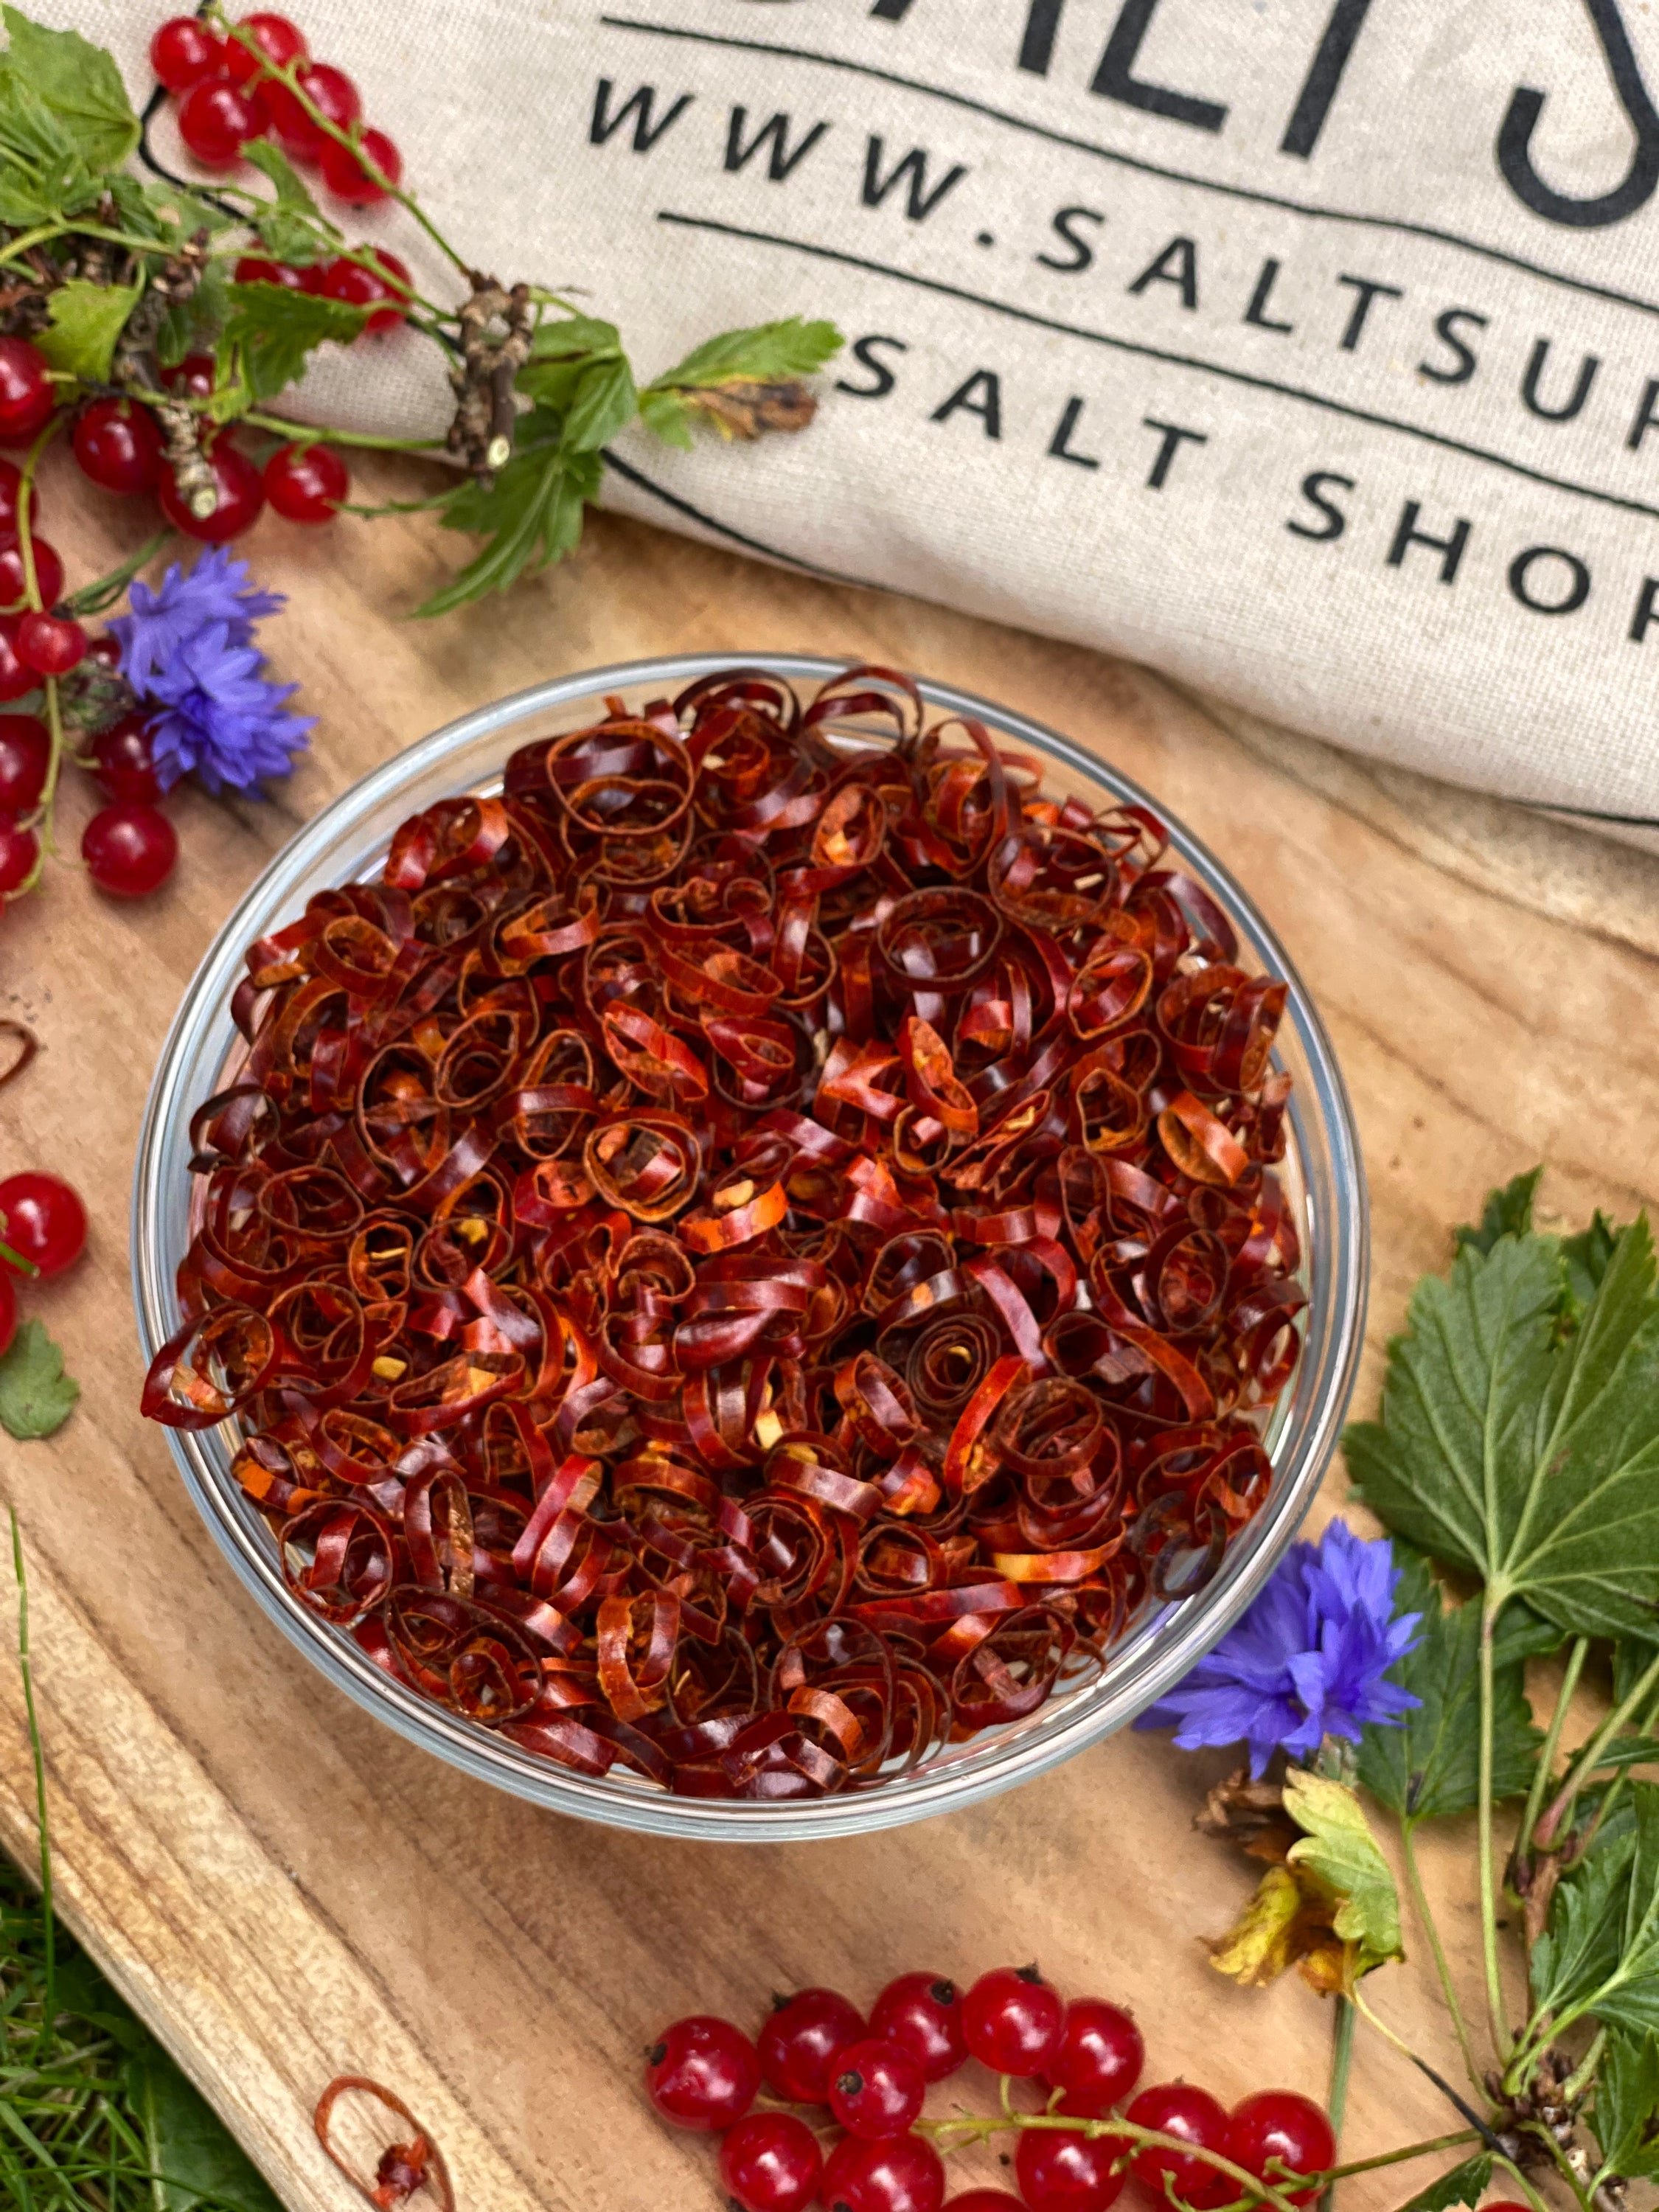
[(1529, 1458), (1461, 2185), (81, 85), (603, 402), (766, 353), (667, 417), (86, 322), (36, 1396), (1428, 1768), (43, 178), (193, 2155), (1288, 1922), (1600, 1953), (1339, 1848), (273, 331), (292, 228), (1507, 1212), (1626, 2114), (1587, 1255), (571, 335), (532, 514)]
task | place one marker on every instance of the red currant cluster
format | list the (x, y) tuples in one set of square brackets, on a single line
[(43, 1231), (226, 96), (1178, 2143)]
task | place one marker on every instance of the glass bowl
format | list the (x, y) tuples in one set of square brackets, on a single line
[(1322, 1177)]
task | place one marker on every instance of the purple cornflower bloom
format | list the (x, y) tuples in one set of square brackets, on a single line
[(189, 649), (1309, 1660)]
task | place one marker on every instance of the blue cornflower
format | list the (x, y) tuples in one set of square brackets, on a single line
[(1309, 1660), (189, 649)]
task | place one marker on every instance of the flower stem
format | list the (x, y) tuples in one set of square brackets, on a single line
[(1448, 1989), (1502, 2041), (1336, 2096)]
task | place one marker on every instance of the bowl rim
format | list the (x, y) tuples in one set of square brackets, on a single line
[(1154, 1660)]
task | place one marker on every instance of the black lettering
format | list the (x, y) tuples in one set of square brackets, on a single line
[(774, 135), (1313, 490), (891, 11), (1467, 363), (913, 170), (1368, 289), (987, 405), (1117, 79), (1530, 381), (1036, 48), (1645, 418), (1330, 59), (1173, 440), (1520, 120), (1060, 444), (1256, 312), (863, 349), (1184, 275), (638, 106), (1408, 535), (1083, 253), (1578, 581), (1647, 610)]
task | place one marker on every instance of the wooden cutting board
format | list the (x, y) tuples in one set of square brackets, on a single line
[(285, 1890)]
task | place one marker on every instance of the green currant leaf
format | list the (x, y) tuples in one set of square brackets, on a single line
[(532, 514), (667, 417), (1626, 2114), (192, 2155), (86, 322), (269, 332), (1600, 1953), (194, 325), (603, 402), (43, 178), (573, 336), (1461, 2185), (1586, 1256), (767, 353), (36, 1396), (1507, 1212), (1524, 1452), (1339, 1848), (81, 85), (1429, 1766), (292, 228)]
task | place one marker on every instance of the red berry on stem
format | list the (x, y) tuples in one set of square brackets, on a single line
[(1278, 2125), (1100, 2056), (801, 2043), (279, 41), (26, 395), (770, 2162), (332, 93), (361, 287), (130, 849), (52, 644), (1060, 2172), (1176, 2108), (190, 378), (19, 849), (923, 2012), (11, 484), (7, 1309), (307, 483), (904, 2175), (1013, 2021), (25, 756), (48, 575), (345, 175), (702, 2073), (184, 50), (118, 446), (125, 761), (255, 269), (216, 118), (106, 651), (17, 679), (241, 495), (877, 2089), (45, 1221)]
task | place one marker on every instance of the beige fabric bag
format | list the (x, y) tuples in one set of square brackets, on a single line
[(1306, 349)]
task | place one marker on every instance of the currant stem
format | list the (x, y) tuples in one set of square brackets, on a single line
[(1503, 2043), (1546, 1768), (1583, 1766), (1420, 1900), (977, 2128), (311, 434), (1336, 2098)]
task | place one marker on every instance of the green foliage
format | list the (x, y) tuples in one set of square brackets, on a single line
[(1429, 1767), (43, 179), (87, 321), (76, 83), (532, 514), (1461, 2185), (1339, 1848), (197, 2162), (1600, 1953), (1507, 1212), (1625, 2115), (271, 331), (36, 1396), (292, 228), (766, 353)]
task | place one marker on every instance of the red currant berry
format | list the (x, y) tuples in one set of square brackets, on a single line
[(52, 644), (241, 495), (130, 849), (985, 2200), (106, 651), (1013, 2021), (190, 378), (183, 51), (801, 2043), (904, 2175), (345, 175), (19, 849), (118, 446), (307, 483), (1100, 2056), (923, 2012), (702, 2073), (11, 485), (1278, 2130), (7, 1309), (17, 679), (877, 2089), (360, 286), (45, 1221), (48, 575), (330, 91), (770, 2162), (1176, 2108), (279, 41), (25, 756), (254, 269), (1059, 2171), (216, 118), (26, 392), (125, 761)]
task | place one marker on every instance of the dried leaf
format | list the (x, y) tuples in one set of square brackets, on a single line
[(1340, 1849)]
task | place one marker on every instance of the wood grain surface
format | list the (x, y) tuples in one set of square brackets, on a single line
[(282, 1887)]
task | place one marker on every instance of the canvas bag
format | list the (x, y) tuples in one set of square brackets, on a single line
[(1307, 350)]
